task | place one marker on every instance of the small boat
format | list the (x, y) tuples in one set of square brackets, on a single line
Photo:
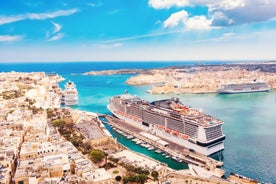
[(145, 145), (119, 131), (158, 151), (177, 159), (139, 142), (129, 137), (151, 148), (135, 139)]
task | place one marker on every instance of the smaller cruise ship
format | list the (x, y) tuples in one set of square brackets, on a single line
[(244, 88), (70, 94)]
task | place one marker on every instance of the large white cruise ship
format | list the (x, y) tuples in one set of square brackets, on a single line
[(171, 120), (70, 94), (244, 88)]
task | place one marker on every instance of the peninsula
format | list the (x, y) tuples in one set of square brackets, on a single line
[(115, 72), (198, 78)]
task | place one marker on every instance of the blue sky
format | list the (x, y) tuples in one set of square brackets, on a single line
[(134, 30)]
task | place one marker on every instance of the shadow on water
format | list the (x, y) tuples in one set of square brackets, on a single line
[(218, 156)]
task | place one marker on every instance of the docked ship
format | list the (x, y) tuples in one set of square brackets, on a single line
[(70, 94), (170, 120), (244, 88)]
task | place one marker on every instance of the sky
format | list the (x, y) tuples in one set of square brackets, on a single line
[(137, 30)]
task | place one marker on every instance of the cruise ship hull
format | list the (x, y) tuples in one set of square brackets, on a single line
[(241, 91), (203, 148), (244, 88)]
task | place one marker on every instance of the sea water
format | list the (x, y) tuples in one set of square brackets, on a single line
[(249, 119)]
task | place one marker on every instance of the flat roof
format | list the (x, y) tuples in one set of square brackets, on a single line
[(150, 136), (164, 143)]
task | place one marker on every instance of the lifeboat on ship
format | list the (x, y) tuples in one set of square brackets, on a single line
[(184, 136)]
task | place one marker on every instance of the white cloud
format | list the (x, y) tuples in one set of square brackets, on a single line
[(198, 23), (232, 12), (56, 37), (231, 4), (7, 20), (247, 11), (9, 38), (182, 18), (140, 37), (57, 27), (220, 19), (43, 16), (176, 18), (159, 4), (98, 4), (36, 16), (225, 4)]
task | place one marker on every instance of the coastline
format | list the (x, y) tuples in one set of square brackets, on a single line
[(197, 79), (228, 154)]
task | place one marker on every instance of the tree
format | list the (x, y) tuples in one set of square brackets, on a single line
[(58, 123), (155, 175), (142, 178), (86, 148), (97, 155), (50, 113), (118, 178)]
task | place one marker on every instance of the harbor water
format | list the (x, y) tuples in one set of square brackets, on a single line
[(249, 119)]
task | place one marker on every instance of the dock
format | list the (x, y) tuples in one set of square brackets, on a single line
[(173, 149)]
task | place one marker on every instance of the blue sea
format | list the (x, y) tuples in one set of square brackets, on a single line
[(249, 119)]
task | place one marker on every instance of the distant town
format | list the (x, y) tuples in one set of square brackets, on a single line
[(198, 78), (42, 142)]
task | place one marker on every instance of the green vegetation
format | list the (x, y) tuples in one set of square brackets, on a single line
[(50, 113), (136, 174), (35, 110), (7, 95), (141, 178), (31, 101), (70, 133), (138, 170), (115, 172), (86, 148), (115, 160), (118, 178), (60, 123), (108, 165), (155, 175), (97, 155)]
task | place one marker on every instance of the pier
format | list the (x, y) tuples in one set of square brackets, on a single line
[(178, 152)]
